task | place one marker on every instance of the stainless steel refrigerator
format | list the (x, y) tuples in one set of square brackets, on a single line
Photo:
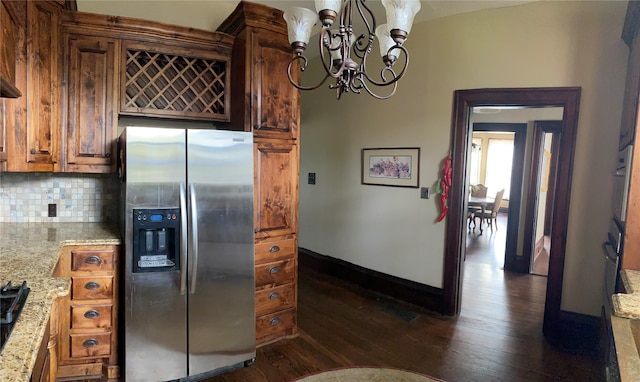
[(187, 303)]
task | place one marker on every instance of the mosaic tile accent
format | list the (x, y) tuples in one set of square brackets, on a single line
[(80, 198)]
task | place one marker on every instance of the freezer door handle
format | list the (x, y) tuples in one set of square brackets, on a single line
[(611, 257), (194, 238), (183, 239)]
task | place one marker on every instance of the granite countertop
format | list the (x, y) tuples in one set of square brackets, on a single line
[(626, 310), (30, 251), (627, 305)]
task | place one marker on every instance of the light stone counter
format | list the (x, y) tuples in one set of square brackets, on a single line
[(30, 251), (625, 323)]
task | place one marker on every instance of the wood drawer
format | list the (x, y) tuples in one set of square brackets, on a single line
[(276, 325), (275, 250), (274, 299), (91, 288), (92, 260), (276, 273), (90, 345), (91, 316)]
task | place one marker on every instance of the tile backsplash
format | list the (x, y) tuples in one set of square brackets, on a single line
[(24, 197)]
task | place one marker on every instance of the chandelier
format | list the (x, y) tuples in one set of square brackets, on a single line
[(344, 52)]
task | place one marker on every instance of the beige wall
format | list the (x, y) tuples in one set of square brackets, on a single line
[(392, 230)]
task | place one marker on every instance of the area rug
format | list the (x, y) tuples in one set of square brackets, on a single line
[(367, 374)]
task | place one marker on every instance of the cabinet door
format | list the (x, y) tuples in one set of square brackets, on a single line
[(91, 115), (43, 116), (8, 33), (274, 100), (630, 101), (275, 189)]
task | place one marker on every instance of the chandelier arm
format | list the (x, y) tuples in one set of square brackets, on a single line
[(362, 7), (389, 69), (325, 50), (302, 68), (364, 86)]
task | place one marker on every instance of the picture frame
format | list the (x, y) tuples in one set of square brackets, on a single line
[(394, 167)]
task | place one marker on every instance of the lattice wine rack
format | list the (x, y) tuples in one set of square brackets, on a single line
[(174, 85)]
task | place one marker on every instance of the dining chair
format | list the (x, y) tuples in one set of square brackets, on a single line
[(491, 216), (479, 191), (471, 217)]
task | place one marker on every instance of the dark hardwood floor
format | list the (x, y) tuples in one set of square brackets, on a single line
[(497, 337)]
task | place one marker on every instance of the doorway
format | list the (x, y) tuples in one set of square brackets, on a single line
[(568, 98), (539, 209), (514, 194)]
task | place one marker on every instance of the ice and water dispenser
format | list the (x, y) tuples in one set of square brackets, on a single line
[(156, 240)]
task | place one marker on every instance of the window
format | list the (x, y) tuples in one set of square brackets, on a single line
[(476, 160), (499, 159)]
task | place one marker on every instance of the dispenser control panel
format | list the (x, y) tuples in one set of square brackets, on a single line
[(156, 240)]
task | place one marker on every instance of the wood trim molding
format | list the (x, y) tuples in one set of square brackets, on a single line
[(248, 14), (70, 5), (144, 30), (421, 295)]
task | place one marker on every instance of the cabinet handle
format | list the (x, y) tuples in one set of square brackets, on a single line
[(274, 321), (91, 342), (93, 260), (274, 249), (91, 314), (91, 285), (274, 269), (107, 155), (274, 295), (33, 151)]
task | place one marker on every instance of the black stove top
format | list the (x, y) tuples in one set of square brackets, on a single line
[(12, 299)]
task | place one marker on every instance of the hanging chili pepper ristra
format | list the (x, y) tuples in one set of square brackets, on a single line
[(442, 188)]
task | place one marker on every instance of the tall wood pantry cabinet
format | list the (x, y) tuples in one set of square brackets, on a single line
[(264, 102)]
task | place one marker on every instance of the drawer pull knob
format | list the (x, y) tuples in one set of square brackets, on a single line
[(274, 249), (93, 260), (274, 295), (274, 321), (91, 285), (91, 314), (274, 269), (33, 151), (90, 343)]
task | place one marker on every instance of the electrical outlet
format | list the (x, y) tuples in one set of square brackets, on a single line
[(53, 210)]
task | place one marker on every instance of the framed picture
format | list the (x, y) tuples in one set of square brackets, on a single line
[(396, 167)]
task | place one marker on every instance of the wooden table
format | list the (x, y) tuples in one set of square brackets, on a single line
[(484, 204)]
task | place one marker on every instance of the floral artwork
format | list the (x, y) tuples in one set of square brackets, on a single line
[(396, 167)]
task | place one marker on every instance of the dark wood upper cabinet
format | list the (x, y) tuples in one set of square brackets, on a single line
[(91, 116), (8, 33), (33, 135), (263, 100)]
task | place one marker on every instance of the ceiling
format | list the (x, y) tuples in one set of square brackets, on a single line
[(209, 14)]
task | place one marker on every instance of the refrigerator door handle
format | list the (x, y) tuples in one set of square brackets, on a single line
[(194, 238), (183, 239)]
